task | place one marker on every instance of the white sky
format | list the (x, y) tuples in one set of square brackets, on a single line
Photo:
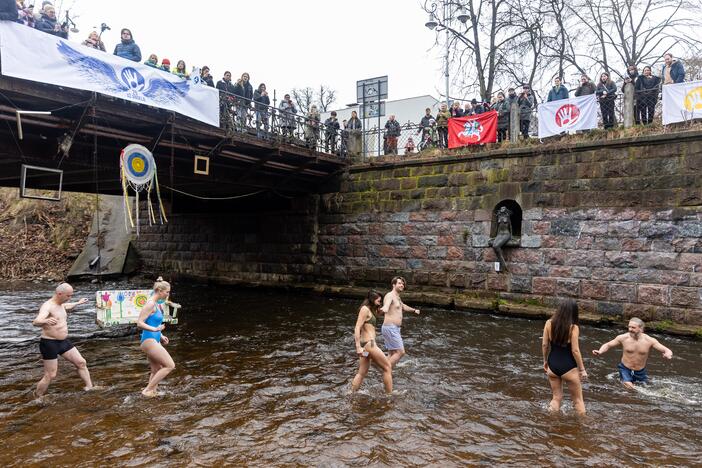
[(285, 44)]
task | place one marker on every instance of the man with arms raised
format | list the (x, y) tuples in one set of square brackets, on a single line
[(637, 346), (393, 307), (54, 338)]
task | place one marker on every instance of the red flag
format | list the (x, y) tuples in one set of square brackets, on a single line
[(473, 130)]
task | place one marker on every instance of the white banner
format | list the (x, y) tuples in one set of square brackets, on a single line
[(578, 113), (682, 102), (33, 55)]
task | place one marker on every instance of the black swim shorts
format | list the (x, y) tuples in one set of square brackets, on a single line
[(51, 349)]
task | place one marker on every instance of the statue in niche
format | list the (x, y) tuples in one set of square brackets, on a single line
[(503, 234)]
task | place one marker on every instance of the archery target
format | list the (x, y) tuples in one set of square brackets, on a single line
[(138, 164)]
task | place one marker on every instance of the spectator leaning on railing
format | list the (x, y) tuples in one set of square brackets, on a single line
[(673, 70), (606, 92), (332, 128), (287, 116), (586, 86), (261, 103), (165, 65), (128, 49), (244, 92), (647, 87), (558, 91), (181, 70), (152, 61)]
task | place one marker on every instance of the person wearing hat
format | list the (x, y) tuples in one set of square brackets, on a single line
[(166, 65), (526, 104), (478, 108)]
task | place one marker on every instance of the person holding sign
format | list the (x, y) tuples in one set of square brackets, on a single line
[(152, 340)]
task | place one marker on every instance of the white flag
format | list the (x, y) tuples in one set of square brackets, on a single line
[(682, 102), (578, 113)]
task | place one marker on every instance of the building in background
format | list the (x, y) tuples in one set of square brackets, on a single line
[(406, 111)]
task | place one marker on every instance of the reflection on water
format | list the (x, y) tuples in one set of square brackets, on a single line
[(263, 379)]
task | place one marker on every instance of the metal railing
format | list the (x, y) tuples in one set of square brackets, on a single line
[(244, 116)]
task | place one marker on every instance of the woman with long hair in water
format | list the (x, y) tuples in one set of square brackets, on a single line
[(366, 347), (562, 358), (152, 340)]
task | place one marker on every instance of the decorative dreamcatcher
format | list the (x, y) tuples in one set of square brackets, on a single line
[(138, 171)]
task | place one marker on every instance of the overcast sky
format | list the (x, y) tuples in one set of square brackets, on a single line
[(285, 44)]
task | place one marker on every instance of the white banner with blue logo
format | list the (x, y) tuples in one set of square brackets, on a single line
[(32, 55)]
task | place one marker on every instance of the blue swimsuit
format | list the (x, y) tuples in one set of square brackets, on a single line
[(155, 320)]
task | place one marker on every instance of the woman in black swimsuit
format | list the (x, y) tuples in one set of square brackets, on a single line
[(366, 347), (562, 358)]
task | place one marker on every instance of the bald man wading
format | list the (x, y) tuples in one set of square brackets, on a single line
[(54, 341)]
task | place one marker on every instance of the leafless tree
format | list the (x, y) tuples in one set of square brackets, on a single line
[(306, 97)]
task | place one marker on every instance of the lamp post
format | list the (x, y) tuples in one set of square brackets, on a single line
[(442, 24)]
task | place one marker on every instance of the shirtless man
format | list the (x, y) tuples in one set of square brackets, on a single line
[(637, 346), (54, 338), (393, 307)]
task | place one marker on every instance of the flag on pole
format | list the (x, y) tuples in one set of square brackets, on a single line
[(472, 130), (564, 115), (682, 102)]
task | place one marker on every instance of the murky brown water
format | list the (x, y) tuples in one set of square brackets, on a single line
[(263, 379)]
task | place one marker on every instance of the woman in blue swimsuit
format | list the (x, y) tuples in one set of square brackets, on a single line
[(152, 340), (562, 358)]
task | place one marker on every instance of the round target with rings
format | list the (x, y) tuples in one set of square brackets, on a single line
[(138, 164)]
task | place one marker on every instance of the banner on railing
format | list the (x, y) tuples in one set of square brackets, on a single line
[(578, 113), (682, 102), (473, 130), (33, 55)]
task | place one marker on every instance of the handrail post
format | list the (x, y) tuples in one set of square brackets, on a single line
[(628, 105)]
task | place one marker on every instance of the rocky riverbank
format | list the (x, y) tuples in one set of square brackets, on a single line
[(39, 240)]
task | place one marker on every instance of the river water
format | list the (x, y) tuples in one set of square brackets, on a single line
[(263, 379)]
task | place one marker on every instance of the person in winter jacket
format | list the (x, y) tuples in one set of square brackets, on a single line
[(558, 91), (152, 61), (478, 107), (205, 77), (287, 116), (606, 92), (673, 71), (526, 103), (456, 110), (26, 16), (630, 77), (503, 111), (354, 126), (442, 118), (312, 123), (586, 86), (165, 65), (244, 93), (128, 49), (94, 41), (331, 127), (9, 10), (392, 133), (47, 23), (225, 84), (261, 103), (181, 70), (646, 88), (467, 109)]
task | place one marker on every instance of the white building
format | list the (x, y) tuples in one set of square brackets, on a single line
[(408, 110)]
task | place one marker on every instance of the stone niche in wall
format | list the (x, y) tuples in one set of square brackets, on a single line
[(515, 219)]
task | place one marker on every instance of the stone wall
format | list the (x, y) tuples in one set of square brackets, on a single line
[(617, 225)]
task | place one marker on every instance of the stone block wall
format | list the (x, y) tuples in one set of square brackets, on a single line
[(618, 226)]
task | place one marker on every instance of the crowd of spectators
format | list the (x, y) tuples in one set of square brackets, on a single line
[(244, 102)]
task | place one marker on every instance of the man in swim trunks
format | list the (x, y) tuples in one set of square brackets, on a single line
[(637, 346), (54, 341), (393, 307)]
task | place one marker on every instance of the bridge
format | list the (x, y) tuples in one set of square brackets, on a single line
[(82, 133)]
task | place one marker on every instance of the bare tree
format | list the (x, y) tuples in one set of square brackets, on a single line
[(326, 97), (306, 97)]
